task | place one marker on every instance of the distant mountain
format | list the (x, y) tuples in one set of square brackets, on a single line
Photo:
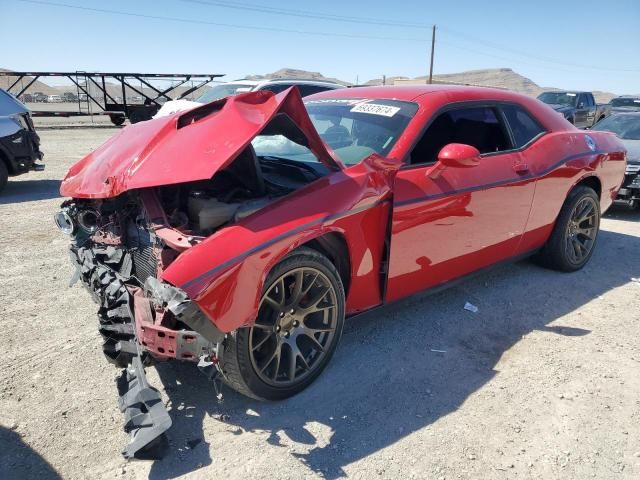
[(37, 86), (491, 77), (295, 73)]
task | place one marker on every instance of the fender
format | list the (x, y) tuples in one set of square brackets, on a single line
[(225, 273)]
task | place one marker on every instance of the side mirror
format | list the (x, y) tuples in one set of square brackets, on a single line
[(459, 155), (581, 105)]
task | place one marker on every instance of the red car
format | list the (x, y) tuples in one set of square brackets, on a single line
[(241, 234)]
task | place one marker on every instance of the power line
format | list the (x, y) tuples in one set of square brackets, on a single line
[(220, 24), (496, 46), (308, 14), (381, 22), (331, 17)]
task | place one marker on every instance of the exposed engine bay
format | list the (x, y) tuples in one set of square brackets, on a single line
[(247, 185), (120, 247)]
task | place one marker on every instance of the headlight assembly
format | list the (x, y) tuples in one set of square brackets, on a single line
[(64, 222)]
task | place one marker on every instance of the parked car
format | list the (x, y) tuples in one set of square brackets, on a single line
[(54, 99), (69, 97), (627, 127), (19, 142), (625, 103), (39, 97), (579, 108), (306, 87), (241, 233)]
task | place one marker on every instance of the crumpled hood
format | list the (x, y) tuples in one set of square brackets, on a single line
[(186, 146)]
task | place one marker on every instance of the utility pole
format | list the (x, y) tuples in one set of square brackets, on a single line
[(433, 46)]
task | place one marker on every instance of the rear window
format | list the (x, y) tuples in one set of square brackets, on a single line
[(523, 126)]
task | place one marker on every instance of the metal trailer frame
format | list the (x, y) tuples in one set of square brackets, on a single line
[(117, 111)]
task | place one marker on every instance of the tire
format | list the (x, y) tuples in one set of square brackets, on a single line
[(561, 250), (117, 120), (4, 174), (250, 358)]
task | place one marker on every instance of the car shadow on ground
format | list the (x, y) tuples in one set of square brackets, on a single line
[(18, 461), (19, 191), (398, 369), (623, 212)]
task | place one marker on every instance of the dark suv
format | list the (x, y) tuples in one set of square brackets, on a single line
[(19, 142)]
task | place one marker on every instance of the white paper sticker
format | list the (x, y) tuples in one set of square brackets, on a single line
[(571, 94), (376, 109)]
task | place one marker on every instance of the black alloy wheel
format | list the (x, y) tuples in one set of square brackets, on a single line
[(297, 320), (297, 329), (575, 233), (582, 230)]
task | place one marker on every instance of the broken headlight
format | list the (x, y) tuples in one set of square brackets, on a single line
[(88, 220), (64, 222)]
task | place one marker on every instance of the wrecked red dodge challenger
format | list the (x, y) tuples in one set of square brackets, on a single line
[(241, 234)]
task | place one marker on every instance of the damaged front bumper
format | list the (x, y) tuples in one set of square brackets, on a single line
[(140, 324)]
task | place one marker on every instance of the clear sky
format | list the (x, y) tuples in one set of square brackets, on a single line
[(590, 45)]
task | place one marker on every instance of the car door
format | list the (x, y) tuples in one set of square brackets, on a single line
[(585, 111), (591, 110), (449, 222)]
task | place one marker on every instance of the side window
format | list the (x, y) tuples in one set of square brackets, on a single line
[(476, 126), (590, 101), (582, 101), (276, 87), (306, 90), (523, 126)]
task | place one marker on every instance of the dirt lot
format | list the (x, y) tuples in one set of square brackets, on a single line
[(543, 382)]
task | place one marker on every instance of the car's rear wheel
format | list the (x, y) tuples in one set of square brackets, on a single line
[(297, 329), (574, 235)]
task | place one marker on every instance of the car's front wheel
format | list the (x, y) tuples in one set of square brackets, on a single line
[(297, 329), (574, 235)]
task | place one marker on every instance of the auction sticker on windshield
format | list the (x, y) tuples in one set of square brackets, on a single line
[(376, 109)]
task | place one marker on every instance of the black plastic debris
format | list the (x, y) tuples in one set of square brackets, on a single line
[(146, 418)]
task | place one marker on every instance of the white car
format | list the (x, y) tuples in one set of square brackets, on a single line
[(307, 87)]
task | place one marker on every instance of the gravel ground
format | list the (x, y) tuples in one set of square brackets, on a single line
[(542, 382)]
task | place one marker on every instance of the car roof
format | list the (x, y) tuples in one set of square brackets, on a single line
[(418, 93), (566, 91), (297, 81), (627, 113)]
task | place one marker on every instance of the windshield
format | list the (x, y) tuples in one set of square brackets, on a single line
[(559, 98), (625, 126), (223, 90), (625, 102), (354, 128)]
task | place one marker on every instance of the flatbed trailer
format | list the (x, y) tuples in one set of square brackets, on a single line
[(91, 88)]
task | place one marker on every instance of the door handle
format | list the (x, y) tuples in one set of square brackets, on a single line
[(521, 168)]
